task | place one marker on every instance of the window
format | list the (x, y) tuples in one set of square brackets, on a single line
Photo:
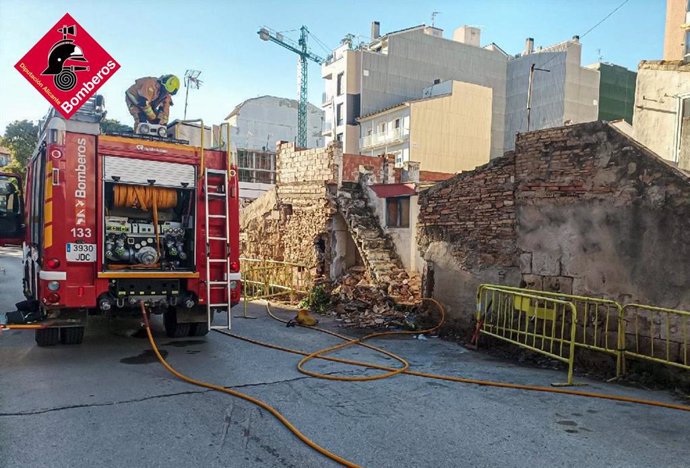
[(339, 114), (398, 212), (339, 137), (244, 159), (339, 84), (398, 159), (687, 45), (397, 123), (382, 127)]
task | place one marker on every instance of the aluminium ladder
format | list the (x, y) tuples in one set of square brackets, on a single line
[(214, 283)]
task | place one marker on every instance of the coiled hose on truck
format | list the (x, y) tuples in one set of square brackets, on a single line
[(144, 197)]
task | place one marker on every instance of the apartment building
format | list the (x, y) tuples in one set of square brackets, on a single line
[(256, 125), (616, 92), (662, 96), (562, 91), (397, 67), (448, 130), (677, 31)]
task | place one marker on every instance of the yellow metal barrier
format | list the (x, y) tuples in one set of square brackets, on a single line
[(271, 279), (599, 322), (656, 334), (545, 325)]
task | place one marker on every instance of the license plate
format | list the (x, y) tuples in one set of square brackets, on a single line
[(81, 252)]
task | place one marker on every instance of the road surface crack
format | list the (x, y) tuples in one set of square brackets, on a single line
[(153, 397)]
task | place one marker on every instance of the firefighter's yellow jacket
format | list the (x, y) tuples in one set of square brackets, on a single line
[(150, 97)]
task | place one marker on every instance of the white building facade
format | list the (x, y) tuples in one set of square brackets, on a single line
[(255, 126), (398, 66)]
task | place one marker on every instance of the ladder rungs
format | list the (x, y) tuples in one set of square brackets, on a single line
[(216, 171), (225, 304), (217, 282), (217, 260), (217, 216), (217, 194), (217, 238)]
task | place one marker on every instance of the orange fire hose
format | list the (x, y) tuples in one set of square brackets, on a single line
[(393, 371), (243, 396), (143, 197), (6, 326)]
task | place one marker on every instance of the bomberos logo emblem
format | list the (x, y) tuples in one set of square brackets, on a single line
[(67, 66)]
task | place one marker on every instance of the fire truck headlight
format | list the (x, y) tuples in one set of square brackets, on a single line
[(53, 286), (233, 284)]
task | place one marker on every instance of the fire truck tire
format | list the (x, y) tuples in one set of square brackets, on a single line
[(199, 329), (72, 335), (47, 336), (173, 329)]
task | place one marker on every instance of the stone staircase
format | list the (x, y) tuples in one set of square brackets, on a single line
[(374, 245)]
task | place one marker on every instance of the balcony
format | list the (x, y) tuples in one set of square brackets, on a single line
[(326, 100), (393, 137)]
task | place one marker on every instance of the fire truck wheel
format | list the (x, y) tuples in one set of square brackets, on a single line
[(172, 328), (199, 329), (47, 336), (72, 335)]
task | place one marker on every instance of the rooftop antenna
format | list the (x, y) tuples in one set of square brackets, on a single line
[(191, 80), (601, 57), (433, 18)]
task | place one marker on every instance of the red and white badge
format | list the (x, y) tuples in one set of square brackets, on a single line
[(67, 66)]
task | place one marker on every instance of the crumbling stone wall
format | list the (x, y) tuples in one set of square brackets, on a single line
[(291, 222), (581, 209)]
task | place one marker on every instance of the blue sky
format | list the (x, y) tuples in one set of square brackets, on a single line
[(150, 38)]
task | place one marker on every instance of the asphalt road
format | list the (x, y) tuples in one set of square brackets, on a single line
[(107, 402)]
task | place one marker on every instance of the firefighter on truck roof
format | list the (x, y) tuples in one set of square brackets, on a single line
[(149, 99)]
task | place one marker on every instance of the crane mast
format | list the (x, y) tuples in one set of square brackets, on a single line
[(301, 49)]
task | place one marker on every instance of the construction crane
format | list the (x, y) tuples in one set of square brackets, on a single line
[(300, 48)]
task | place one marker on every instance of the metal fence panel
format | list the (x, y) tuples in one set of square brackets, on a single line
[(598, 321), (545, 325), (656, 334)]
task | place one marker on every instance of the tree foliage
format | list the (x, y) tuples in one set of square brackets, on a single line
[(114, 126), (21, 137)]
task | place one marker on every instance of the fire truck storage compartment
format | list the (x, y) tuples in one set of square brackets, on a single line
[(149, 215)]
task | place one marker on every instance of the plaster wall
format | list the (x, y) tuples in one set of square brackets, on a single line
[(659, 87)]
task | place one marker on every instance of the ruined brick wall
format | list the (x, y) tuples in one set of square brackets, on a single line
[(466, 231), (581, 209), (599, 214), (352, 162), (289, 225), (381, 167)]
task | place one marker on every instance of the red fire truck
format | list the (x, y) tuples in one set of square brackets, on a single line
[(112, 220)]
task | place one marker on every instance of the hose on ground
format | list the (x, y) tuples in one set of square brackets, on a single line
[(243, 396), (393, 371)]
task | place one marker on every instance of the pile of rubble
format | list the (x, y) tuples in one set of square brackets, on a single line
[(358, 302)]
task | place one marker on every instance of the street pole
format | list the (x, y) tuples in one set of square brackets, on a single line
[(186, 96), (532, 69)]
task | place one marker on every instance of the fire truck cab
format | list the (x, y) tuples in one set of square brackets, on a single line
[(109, 221)]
